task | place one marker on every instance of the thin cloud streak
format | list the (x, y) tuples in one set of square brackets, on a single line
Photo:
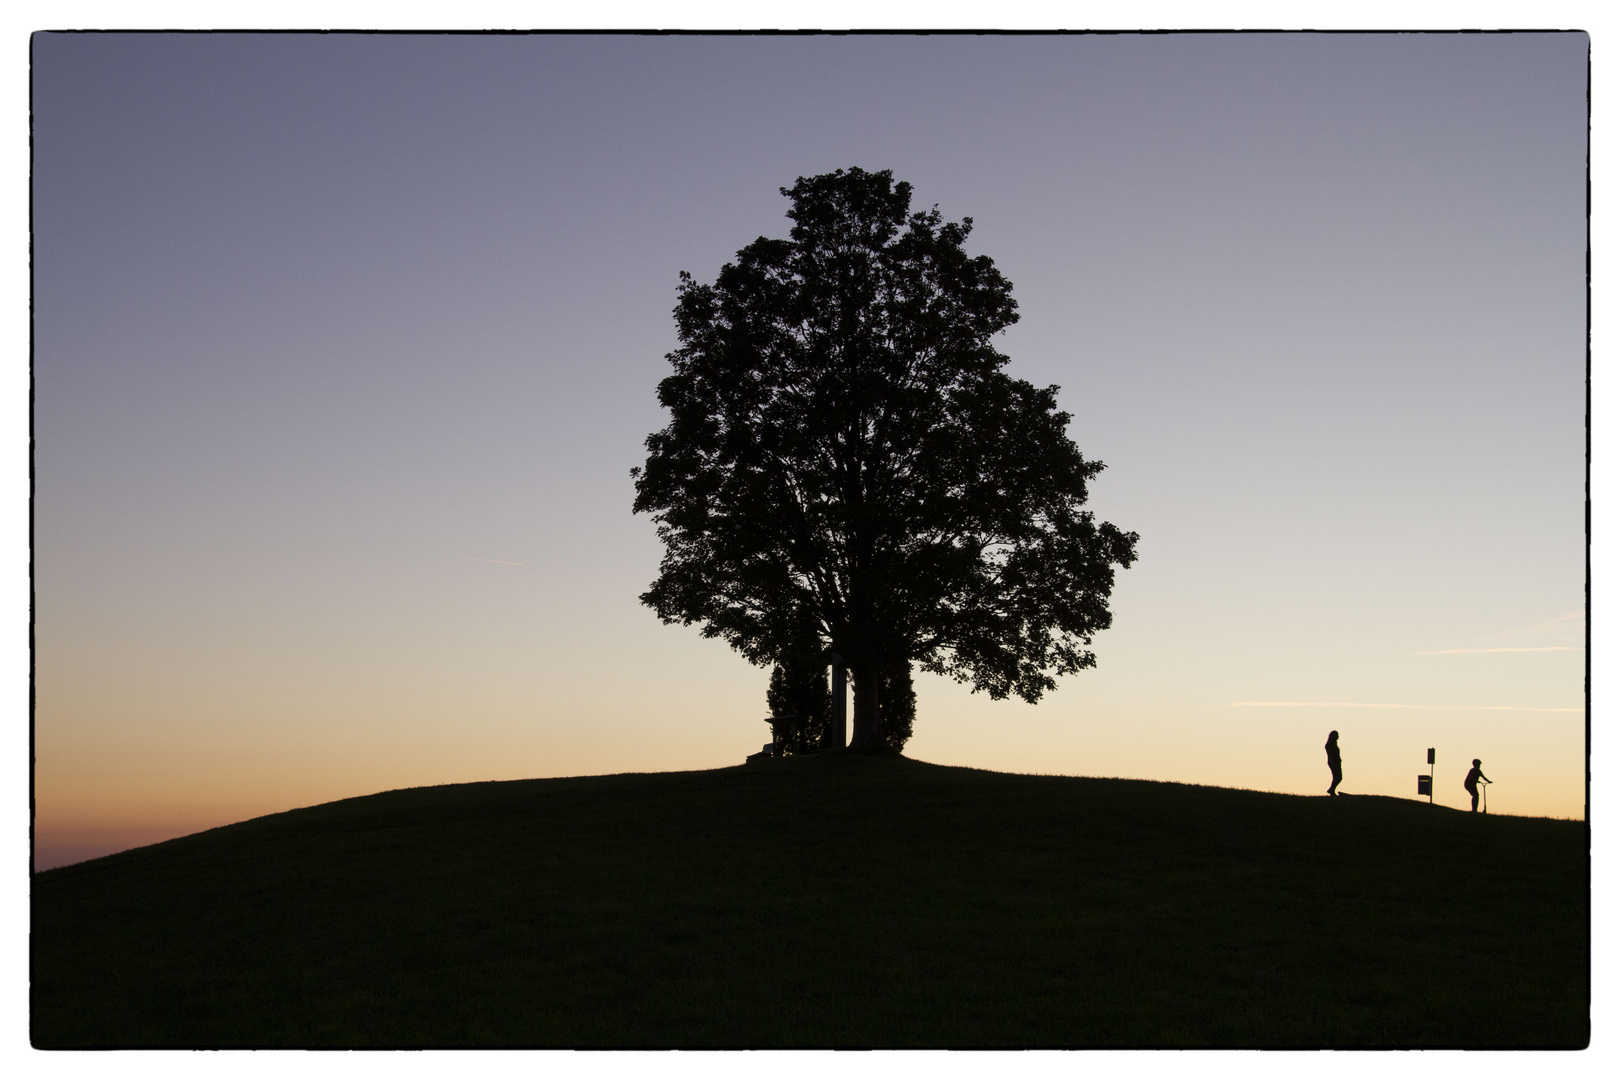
[(501, 562), (1367, 705), (1536, 648)]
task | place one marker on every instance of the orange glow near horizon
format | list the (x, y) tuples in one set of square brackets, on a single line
[(103, 794)]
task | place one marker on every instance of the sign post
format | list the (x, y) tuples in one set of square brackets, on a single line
[(1426, 783)]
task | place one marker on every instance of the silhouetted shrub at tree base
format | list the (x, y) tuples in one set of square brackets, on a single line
[(844, 454), (897, 703), (799, 694), (801, 703)]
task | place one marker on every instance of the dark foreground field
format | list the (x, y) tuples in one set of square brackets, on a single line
[(835, 900)]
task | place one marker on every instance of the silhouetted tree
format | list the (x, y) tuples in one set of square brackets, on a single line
[(845, 454)]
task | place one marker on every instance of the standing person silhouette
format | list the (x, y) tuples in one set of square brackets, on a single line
[(1475, 778), (1333, 761)]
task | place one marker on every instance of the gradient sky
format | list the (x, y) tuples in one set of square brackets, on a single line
[(345, 346)]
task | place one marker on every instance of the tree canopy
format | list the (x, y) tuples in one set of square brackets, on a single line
[(848, 470)]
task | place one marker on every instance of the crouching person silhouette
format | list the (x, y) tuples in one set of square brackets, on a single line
[(1475, 778), (1333, 762)]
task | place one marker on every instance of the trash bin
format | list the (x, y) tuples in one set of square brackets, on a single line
[(1425, 784)]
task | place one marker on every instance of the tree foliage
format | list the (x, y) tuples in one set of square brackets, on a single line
[(847, 469)]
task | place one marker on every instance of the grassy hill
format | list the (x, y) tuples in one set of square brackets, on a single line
[(835, 900)]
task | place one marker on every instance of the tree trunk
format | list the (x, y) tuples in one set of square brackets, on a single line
[(868, 733), (837, 718)]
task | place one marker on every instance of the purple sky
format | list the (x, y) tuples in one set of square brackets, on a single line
[(345, 345)]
